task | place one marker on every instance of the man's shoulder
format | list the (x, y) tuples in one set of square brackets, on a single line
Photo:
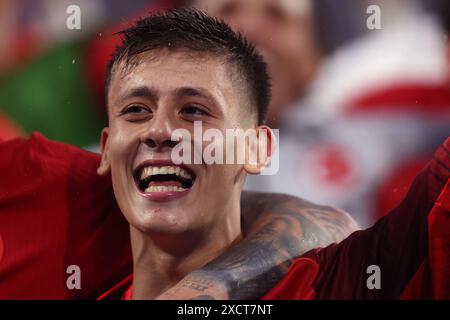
[(37, 145), (335, 224), (42, 158)]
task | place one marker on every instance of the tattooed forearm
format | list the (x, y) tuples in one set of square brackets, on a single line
[(278, 229), (197, 283)]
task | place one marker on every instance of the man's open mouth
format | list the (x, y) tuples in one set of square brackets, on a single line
[(164, 179)]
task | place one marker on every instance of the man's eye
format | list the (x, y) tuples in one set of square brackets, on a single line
[(193, 110), (135, 110)]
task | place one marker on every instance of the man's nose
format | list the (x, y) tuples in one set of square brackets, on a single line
[(158, 135)]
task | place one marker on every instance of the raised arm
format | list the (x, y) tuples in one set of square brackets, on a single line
[(277, 229)]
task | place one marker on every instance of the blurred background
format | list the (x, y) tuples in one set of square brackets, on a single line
[(361, 90)]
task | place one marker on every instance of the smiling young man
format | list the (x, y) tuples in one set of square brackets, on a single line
[(171, 71)]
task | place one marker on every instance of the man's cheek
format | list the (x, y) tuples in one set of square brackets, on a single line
[(119, 150)]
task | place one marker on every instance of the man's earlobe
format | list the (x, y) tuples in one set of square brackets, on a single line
[(260, 150), (104, 167)]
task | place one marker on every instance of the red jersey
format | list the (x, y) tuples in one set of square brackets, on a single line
[(55, 211)]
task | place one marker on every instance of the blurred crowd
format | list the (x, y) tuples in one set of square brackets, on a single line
[(359, 110)]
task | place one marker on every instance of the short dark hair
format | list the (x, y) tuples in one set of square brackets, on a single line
[(191, 29)]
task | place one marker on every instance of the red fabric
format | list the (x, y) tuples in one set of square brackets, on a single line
[(56, 212), (122, 290), (420, 286), (439, 228), (298, 284), (394, 189), (423, 98), (433, 278)]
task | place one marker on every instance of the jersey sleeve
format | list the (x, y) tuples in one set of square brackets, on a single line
[(394, 249), (56, 212)]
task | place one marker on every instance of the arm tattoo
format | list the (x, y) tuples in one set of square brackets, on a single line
[(278, 229), (197, 283)]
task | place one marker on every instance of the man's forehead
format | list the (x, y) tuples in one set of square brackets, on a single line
[(177, 60), (169, 69), (179, 74)]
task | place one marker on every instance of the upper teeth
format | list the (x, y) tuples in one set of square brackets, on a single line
[(179, 171)]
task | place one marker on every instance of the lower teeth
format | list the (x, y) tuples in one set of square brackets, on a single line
[(164, 189)]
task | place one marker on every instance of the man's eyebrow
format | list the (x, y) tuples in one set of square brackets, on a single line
[(191, 91), (196, 92), (139, 92)]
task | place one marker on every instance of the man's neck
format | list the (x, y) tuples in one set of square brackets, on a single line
[(162, 260)]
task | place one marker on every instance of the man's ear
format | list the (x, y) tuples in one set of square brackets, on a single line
[(260, 150), (105, 166)]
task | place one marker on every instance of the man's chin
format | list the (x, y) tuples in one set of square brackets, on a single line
[(176, 215), (161, 220)]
